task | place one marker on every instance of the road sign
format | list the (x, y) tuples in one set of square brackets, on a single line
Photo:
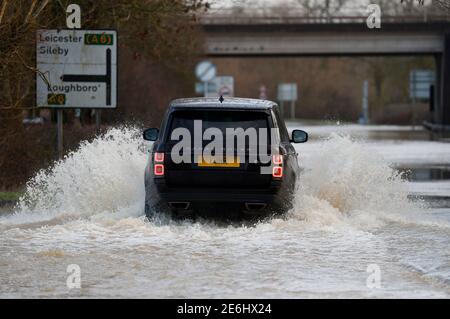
[(205, 71), (419, 83), (77, 68), (287, 92), (263, 92), (220, 85), (225, 85), (199, 88)]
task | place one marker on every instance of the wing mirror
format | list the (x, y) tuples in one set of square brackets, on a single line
[(151, 134), (299, 136)]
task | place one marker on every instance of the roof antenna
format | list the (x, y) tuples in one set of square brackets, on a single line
[(221, 99)]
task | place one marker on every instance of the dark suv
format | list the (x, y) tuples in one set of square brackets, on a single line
[(214, 153)]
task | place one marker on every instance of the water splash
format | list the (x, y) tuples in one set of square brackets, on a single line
[(346, 182), (104, 176), (104, 179)]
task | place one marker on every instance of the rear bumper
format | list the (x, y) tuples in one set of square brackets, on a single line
[(268, 195)]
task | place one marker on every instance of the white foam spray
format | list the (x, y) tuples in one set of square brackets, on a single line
[(347, 182), (104, 176)]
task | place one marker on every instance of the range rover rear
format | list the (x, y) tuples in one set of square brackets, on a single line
[(213, 153)]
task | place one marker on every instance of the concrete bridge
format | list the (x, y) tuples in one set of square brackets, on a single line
[(338, 36)]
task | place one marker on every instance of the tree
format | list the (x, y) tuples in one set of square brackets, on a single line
[(322, 8), (163, 31), (443, 4), (159, 29)]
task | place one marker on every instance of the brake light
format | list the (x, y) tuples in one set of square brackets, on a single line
[(277, 168), (277, 159), (159, 157), (277, 171), (158, 169)]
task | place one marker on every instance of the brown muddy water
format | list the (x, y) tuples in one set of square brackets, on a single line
[(371, 219)]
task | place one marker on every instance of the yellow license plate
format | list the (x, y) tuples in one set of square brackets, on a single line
[(205, 161)]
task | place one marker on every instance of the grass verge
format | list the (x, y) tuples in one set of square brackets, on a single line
[(10, 196)]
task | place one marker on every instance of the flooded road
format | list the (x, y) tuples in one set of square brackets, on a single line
[(371, 219)]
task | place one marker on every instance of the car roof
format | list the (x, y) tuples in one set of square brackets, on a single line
[(228, 102)]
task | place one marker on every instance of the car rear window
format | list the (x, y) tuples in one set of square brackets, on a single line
[(219, 119)]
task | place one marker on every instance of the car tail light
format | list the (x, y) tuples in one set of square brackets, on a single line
[(277, 166), (277, 171), (159, 157), (277, 159), (158, 169)]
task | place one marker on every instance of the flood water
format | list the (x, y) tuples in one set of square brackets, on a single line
[(371, 219)]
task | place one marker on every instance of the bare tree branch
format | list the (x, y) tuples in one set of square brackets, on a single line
[(443, 4), (2, 12), (33, 4), (39, 10)]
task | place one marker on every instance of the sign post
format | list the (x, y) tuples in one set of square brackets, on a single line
[(220, 86), (225, 85), (263, 92), (364, 119), (98, 119), (287, 92), (205, 71), (419, 88), (59, 132), (77, 69)]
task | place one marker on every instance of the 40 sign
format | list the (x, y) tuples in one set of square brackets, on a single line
[(77, 68)]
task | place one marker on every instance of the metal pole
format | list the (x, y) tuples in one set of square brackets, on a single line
[(292, 109), (59, 129), (98, 117), (413, 115), (365, 104), (205, 88)]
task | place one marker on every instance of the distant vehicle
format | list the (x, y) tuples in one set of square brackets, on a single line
[(217, 179)]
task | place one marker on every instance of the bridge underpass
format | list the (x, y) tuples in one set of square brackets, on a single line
[(296, 38)]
